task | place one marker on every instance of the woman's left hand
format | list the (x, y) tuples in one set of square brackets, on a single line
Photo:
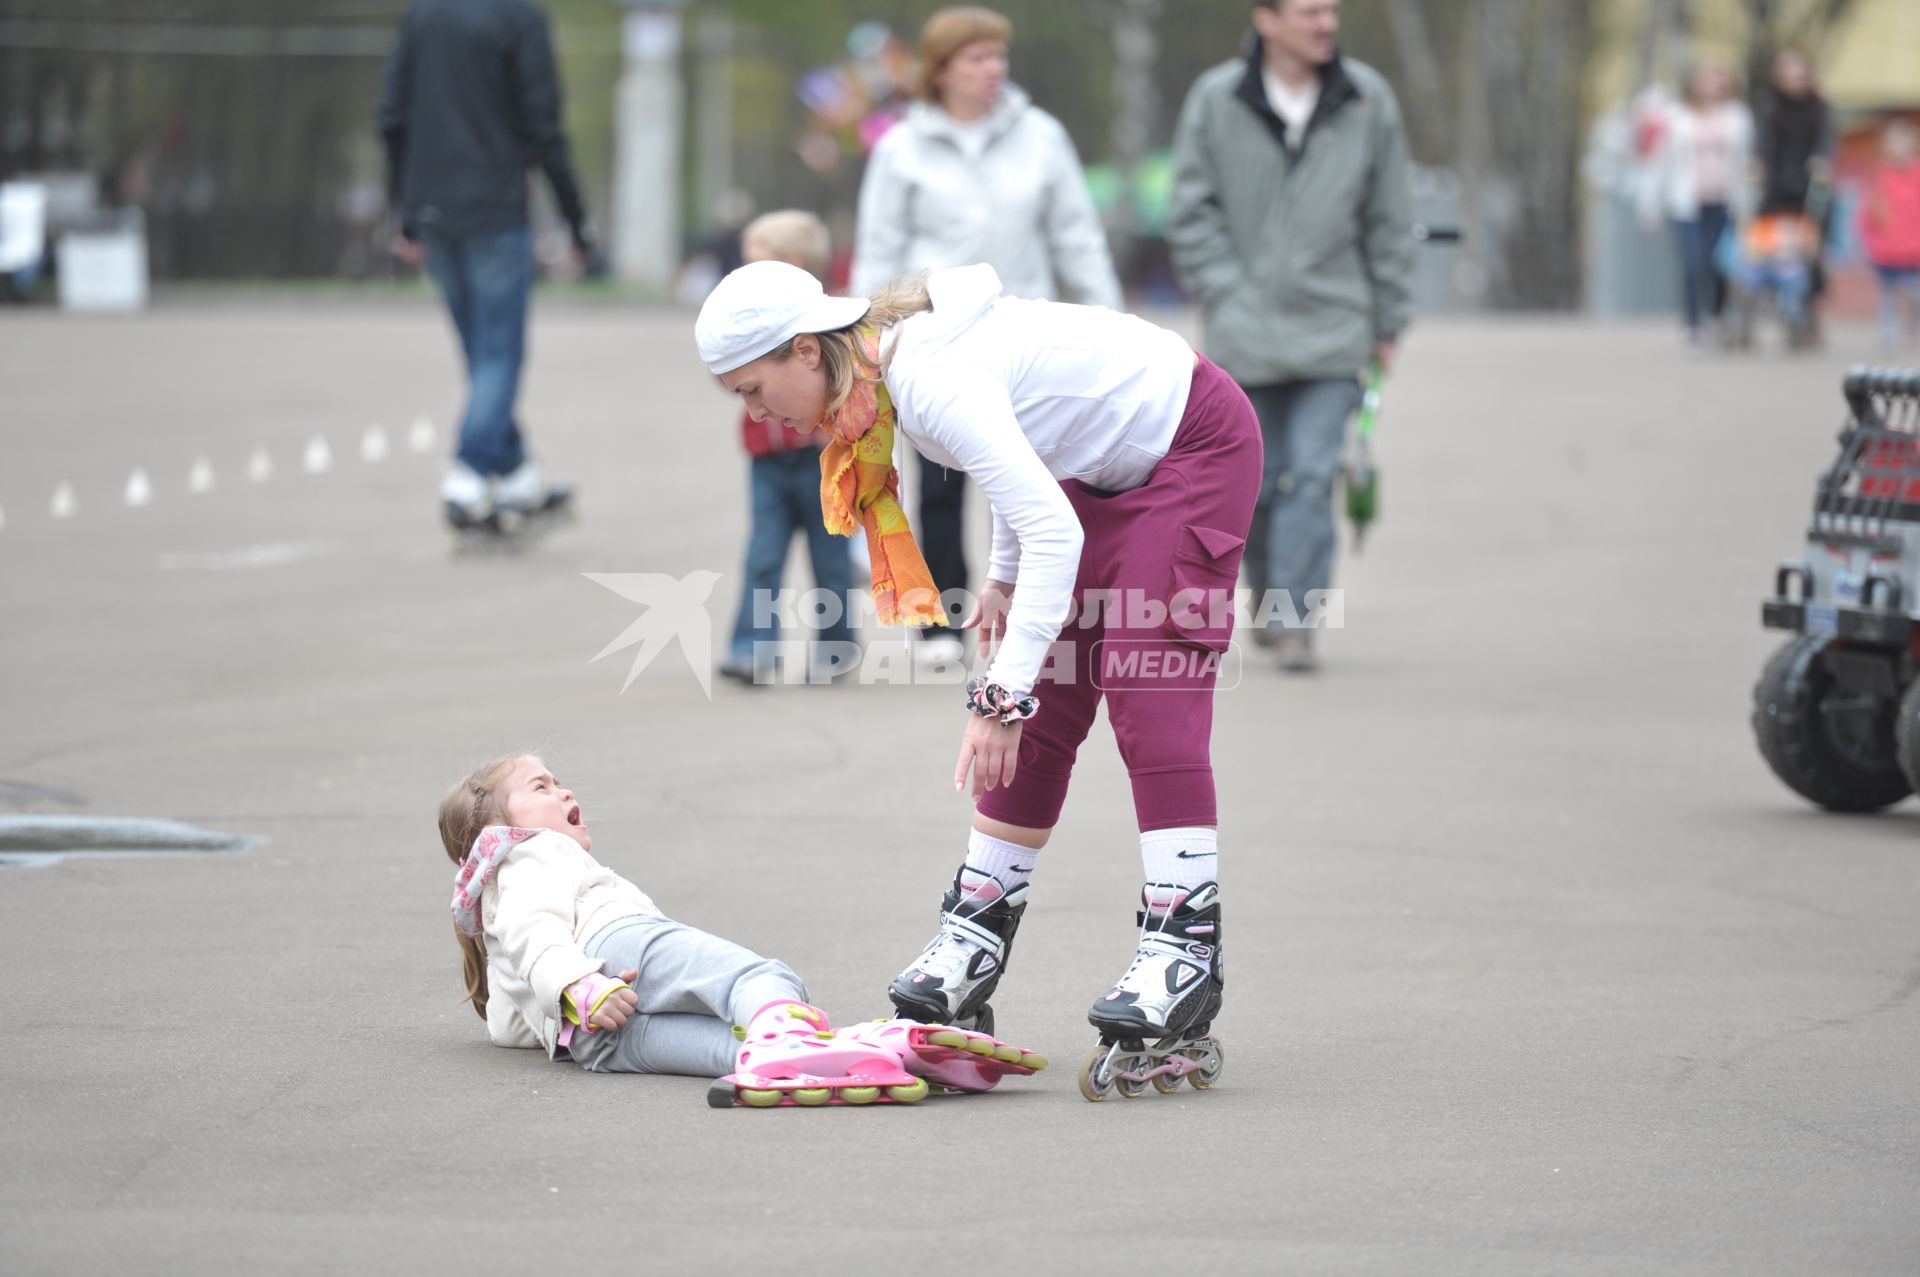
[(991, 748)]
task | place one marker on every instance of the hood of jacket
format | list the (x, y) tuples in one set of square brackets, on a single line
[(933, 121), (960, 297)]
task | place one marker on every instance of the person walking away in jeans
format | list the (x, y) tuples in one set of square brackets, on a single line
[(471, 102), (1292, 225)]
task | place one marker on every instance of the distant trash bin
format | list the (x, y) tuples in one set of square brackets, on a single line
[(103, 266), (23, 227)]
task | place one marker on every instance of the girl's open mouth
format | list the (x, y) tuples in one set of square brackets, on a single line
[(573, 814)]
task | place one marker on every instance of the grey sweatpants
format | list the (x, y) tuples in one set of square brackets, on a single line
[(693, 988)]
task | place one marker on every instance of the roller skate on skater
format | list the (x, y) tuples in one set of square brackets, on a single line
[(950, 1059), (1155, 1024), (790, 1054), (954, 976), (505, 513)]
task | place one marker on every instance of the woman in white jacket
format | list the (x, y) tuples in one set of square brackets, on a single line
[(1699, 182), (976, 173), (1122, 471)]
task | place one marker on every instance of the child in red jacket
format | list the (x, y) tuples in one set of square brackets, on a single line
[(786, 500), (1890, 228)]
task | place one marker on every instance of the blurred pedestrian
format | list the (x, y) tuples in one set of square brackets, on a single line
[(471, 102), (1795, 142), (1698, 183), (975, 173), (1292, 225), (1794, 152), (785, 476), (1890, 229)]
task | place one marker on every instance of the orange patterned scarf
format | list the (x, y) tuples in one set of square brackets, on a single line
[(859, 488)]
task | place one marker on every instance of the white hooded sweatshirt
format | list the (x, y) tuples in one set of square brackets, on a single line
[(545, 901), (1019, 202)]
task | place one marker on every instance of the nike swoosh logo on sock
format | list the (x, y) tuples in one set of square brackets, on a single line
[(1194, 855), (1021, 869)]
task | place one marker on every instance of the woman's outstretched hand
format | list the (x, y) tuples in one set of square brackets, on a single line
[(991, 748), (989, 615)]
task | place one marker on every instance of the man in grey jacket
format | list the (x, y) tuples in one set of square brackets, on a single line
[(1292, 225)]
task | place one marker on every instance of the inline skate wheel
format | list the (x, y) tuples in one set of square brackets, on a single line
[(911, 1093), (812, 1095), (1166, 1083), (1095, 1083), (1207, 1074), (1128, 1090), (859, 1094), (754, 1098)]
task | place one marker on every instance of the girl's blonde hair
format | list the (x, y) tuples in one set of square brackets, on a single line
[(949, 31), (840, 354), (790, 235), (469, 807), (1711, 65)]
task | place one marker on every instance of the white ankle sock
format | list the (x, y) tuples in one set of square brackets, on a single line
[(1184, 858), (1008, 862)]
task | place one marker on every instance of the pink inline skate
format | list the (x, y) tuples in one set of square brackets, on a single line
[(949, 1058), (791, 1055)]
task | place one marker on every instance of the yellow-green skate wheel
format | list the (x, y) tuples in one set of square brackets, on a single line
[(948, 1037), (1007, 1054), (859, 1094), (978, 1045), (911, 1093), (812, 1095), (758, 1099), (1033, 1061)]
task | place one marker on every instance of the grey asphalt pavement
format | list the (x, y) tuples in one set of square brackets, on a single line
[(1533, 966)]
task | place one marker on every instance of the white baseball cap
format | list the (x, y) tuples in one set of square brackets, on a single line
[(762, 305)]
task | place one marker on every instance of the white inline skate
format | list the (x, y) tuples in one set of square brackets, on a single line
[(951, 980), (1155, 1024)]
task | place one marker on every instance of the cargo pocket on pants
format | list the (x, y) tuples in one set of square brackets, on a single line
[(1206, 569)]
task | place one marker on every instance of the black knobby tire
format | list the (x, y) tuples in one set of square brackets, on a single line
[(1906, 734), (1842, 761)]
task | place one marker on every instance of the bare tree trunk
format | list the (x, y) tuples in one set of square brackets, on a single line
[(1531, 63), (1474, 162), (1425, 83), (1136, 110)]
